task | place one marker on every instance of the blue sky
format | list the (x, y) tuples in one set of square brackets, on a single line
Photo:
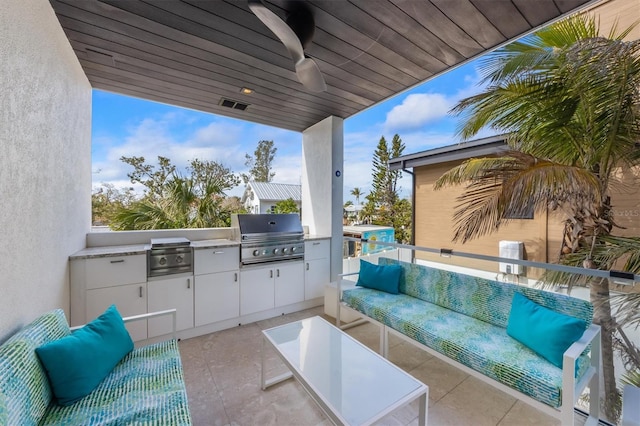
[(125, 126)]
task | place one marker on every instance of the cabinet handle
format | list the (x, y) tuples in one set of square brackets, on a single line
[(271, 273), (316, 244), (235, 277), (277, 272), (218, 252), (307, 266), (140, 292), (188, 282), (118, 261)]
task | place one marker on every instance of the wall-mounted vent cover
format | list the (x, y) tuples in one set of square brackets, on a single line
[(233, 104)]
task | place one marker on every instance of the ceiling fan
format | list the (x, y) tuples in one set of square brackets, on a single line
[(294, 33)]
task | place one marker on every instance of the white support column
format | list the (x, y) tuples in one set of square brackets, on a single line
[(322, 182)]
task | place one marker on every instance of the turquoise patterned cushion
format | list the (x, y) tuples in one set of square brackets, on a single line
[(77, 363), (23, 381), (477, 344), (486, 300), (145, 388)]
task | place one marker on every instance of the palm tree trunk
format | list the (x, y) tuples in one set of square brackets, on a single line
[(599, 293)]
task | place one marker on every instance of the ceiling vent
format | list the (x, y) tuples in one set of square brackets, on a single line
[(233, 104)]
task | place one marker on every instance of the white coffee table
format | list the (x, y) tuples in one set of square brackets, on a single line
[(351, 383)]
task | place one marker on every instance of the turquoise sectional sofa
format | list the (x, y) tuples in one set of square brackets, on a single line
[(146, 387), (464, 319)]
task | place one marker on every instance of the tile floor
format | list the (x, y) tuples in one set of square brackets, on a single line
[(222, 374)]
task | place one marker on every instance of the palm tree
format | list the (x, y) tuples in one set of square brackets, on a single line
[(356, 192), (182, 202), (569, 101)]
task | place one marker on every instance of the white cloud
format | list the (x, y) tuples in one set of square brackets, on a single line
[(417, 110)]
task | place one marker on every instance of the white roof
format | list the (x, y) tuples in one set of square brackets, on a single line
[(275, 191)]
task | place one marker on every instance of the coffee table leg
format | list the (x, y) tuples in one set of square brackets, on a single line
[(423, 409), (264, 382), (262, 379)]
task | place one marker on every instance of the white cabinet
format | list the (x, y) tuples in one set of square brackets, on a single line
[(217, 284), (170, 293), (130, 300), (98, 282), (257, 289), (316, 268), (289, 283), (217, 297), (270, 286)]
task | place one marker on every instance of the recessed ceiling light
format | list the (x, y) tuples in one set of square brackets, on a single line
[(246, 91)]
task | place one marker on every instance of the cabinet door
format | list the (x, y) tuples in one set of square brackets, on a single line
[(218, 259), (216, 297), (289, 284), (256, 290), (118, 270), (129, 299), (316, 249), (316, 276), (170, 293)]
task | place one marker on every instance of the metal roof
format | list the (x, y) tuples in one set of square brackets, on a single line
[(461, 151), (267, 191), (199, 54)]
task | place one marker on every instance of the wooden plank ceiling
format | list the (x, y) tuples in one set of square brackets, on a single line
[(195, 53)]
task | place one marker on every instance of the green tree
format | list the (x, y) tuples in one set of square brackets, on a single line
[(177, 201), (148, 175), (286, 206), (107, 200), (383, 206), (570, 102), (357, 192), (260, 163)]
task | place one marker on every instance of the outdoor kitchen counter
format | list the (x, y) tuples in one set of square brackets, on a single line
[(127, 250), (109, 251)]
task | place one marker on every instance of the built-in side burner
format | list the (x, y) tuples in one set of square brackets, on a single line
[(169, 256)]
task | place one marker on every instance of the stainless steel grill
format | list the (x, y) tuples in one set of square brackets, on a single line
[(268, 237), (169, 256)]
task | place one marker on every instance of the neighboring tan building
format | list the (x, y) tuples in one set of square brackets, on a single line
[(541, 234), (262, 197)]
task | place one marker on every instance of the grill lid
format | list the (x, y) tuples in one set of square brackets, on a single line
[(252, 224), (170, 242)]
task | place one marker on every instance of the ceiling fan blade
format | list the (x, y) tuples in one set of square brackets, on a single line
[(280, 28), (310, 76), (306, 68)]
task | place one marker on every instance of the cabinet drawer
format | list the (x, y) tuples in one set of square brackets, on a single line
[(211, 260), (116, 270), (316, 249)]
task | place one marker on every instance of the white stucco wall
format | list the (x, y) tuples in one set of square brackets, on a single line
[(322, 184), (45, 162)]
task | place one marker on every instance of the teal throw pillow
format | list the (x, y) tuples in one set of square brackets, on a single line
[(77, 363), (546, 332), (379, 277)]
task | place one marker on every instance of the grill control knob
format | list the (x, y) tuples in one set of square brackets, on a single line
[(256, 252), (179, 259), (276, 250), (285, 250), (264, 252), (162, 261), (294, 249)]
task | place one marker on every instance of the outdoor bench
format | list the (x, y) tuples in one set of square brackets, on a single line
[(463, 320), (145, 387)]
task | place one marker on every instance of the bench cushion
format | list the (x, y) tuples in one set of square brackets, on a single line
[(146, 387), (487, 300), (479, 345), (23, 382)]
